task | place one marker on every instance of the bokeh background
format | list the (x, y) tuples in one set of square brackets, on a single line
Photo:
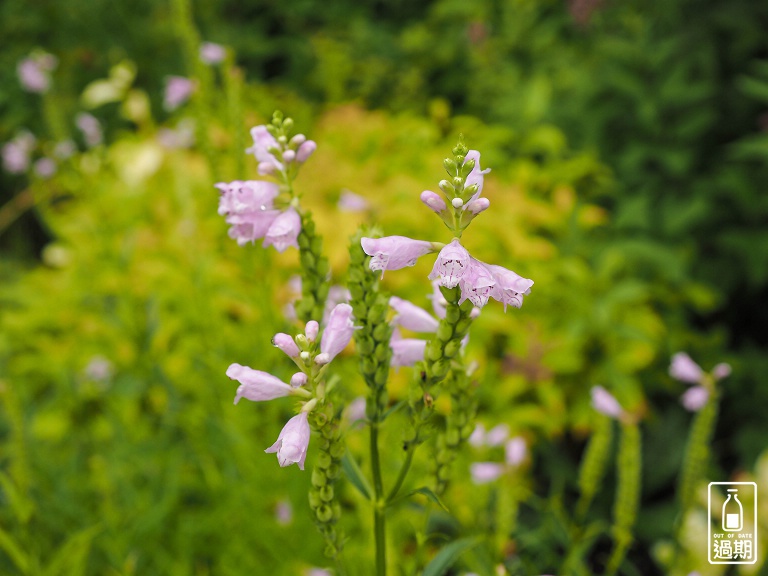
[(629, 146)]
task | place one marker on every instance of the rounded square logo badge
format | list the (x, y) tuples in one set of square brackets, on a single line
[(732, 522)]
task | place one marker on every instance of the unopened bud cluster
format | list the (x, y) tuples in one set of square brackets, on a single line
[(314, 271)]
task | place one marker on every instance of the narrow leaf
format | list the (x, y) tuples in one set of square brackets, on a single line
[(448, 556), (71, 557), (15, 551), (429, 494), (355, 475)]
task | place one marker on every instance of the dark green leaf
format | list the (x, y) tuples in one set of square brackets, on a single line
[(448, 556), (355, 475)]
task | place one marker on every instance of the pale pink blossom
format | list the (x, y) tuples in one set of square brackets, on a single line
[(264, 144), (45, 167), (212, 53), (605, 403), (64, 149), (311, 330), (336, 295), (485, 472), (99, 369), (439, 303), (248, 208), (284, 512), (338, 331), (394, 252), (356, 409), (406, 351), (497, 435), (515, 451), (256, 385), (34, 72), (351, 202), (178, 89), (286, 344), (478, 205), (412, 317), (293, 441), (433, 201), (284, 231), (298, 380), (510, 287), (721, 371), (477, 175), (305, 151), (451, 264), (683, 368), (477, 283), (477, 438), (695, 398), (90, 126), (15, 157)]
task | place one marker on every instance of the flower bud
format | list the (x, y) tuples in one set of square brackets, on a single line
[(311, 330), (446, 187), (433, 201), (298, 379), (450, 166), (286, 344), (322, 359), (289, 155), (478, 205), (297, 140)]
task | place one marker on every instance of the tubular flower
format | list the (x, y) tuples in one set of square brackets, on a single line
[(248, 208), (256, 385), (451, 264), (605, 403), (263, 141), (291, 445), (510, 287), (394, 252), (477, 284), (406, 351), (338, 332), (433, 201), (683, 368), (476, 176), (284, 231), (412, 317), (286, 344), (305, 150)]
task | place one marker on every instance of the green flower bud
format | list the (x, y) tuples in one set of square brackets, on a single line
[(322, 271), (314, 498), (356, 275), (326, 493), (307, 260), (452, 348), (365, 345), (323, 460), (447, 187), (303, 241), (333, 471), (468, 166), (440, 369), (381, 376), (337, 449), (318, 478), (434, 350), (368, 365), (457, 182), (382, 352), (324, 513), (444, 332), (382, 332), (330, 551)]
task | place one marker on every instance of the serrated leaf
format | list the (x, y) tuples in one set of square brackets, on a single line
[(448, 556), (355, 475)]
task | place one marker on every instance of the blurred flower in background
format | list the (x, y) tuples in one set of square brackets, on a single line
[(211, 53), (35, 72), (178, 89)]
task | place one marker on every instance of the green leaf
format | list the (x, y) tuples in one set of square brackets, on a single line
[(355, 475), (70, 559), (448, 556), (429, 494), (14, 551)]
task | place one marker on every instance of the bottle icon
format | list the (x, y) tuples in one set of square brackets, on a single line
[(733, 513)]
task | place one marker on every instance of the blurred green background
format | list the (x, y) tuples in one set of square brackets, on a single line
[(629, 148)]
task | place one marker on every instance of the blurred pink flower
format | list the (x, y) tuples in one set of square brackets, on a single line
[(256, 385), (284, 231), (293, 441), (351, 202), (284, 512), (211, 53), (34, 72), (412, 317), (406, 351), (263, 145), (178, 89), (515, 451), (91, 129), (477, 438), (45, 167), (305, 150), (683, 368), (721, 371), (605, 403), (497, 435), (695, 398), (485, 472), (394, 252)]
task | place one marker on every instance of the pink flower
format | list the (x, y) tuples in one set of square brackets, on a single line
[(394, 252), (478, 205), (477, 175), (284, 231), (311, 330), (356, 409), (177, 91), (721, 371), (434, 201), (211, 53), (510, 287), (34, 72), (515, 451), (683, 368), (293, 441), (477, 284), (255, 385), (286, 344), (477, 438), (298, 380), (91, 129), (15, 158), (485, 472), (497, 435), (305, 150), (248, 208), (406, 351), (336, 295), (45, 167), (605, 403), (451, 264), (263, 142), (284, 512), (695, 398), (412, 317), (351, 202), (338, 332)]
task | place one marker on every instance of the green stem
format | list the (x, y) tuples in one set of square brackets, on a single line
[(379, 516), (403, 472)]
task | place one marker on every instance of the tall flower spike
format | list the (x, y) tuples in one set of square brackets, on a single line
[(683, 368), (284, 231), (338, 332), (293, 441), (451, 264), (412, 317), (256, 385), (394, 252)]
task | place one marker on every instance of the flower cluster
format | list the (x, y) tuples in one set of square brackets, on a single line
[(454, 266), (311, 357), (515, 451), (252, 207), (683, 368)]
